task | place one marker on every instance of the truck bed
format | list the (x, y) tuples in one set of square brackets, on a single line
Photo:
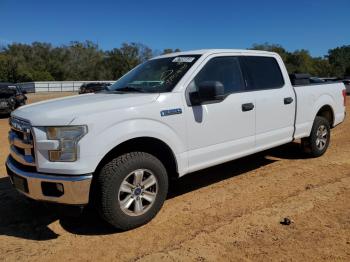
[(310, 99)]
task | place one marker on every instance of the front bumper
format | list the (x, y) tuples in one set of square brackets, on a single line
[(5, 110), (71, 190)]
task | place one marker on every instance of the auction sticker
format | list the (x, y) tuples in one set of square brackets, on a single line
[(183, 59)]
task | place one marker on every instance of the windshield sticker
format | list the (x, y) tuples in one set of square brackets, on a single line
[(178, 72), (183, 59), (166, 74)]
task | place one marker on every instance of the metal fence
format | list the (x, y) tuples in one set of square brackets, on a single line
[(56, 86)]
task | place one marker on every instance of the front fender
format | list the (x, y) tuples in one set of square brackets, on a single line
[(103, 142)]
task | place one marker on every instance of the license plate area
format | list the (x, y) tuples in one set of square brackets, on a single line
[(3, 104)]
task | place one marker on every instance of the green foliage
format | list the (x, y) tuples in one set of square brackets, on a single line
[(339, 58), (272, 48), (76, 61), (337, 63), (86, 61), (300, 61), (170, 50), (322, 67)]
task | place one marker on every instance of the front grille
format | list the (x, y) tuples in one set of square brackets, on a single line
[(21, 142), (3, 103)]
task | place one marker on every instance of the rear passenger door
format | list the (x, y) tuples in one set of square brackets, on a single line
[(274, 99)]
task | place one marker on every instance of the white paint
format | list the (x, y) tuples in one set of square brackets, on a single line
[(201, 136)]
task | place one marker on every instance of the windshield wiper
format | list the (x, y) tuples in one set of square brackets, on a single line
[(129, 89)]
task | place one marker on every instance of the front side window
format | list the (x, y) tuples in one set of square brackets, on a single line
[(157, 75), (225, 70), (262, 73)]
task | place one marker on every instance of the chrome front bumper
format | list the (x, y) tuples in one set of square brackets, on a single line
[(72, 190)]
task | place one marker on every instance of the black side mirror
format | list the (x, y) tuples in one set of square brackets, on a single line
[(208, 92)]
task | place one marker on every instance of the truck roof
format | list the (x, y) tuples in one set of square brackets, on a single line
[(215, 51)]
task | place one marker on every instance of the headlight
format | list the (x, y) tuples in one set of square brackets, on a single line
[(68, 137)]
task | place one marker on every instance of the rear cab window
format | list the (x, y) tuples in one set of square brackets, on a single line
[(262, 72)]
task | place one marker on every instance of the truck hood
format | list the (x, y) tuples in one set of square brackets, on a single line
[(63, 111)]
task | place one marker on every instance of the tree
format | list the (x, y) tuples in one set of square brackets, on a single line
[(347, 72), (339, 58), (272, 48), (322, 67), (300, 61), (118, 61), (83, 61), (86, 61), (170, 50), (8, 69)]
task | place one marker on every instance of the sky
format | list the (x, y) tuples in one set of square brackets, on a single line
[(314, 25)]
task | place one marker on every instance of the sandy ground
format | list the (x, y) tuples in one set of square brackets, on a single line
[(230, 212)]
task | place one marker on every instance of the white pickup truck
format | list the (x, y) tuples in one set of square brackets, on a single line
[(168, 117)]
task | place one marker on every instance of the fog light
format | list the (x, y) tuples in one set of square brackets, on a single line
[(51, 189)]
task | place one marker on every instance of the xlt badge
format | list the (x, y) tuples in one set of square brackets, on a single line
[(170, 112)]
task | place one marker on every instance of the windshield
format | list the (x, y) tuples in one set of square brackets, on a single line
[(157, 75)]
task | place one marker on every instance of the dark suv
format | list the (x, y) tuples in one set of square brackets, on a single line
[(93, 87), (11, 97), (347, 85)]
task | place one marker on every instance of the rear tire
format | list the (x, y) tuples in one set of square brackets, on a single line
[(317, 143), (131, 189)]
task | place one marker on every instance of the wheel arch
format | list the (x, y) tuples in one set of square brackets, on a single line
[(151, 145), (327, 112)]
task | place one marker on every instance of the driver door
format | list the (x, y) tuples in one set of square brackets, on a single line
[(225, 130)]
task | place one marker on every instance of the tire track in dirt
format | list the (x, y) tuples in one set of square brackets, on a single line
[(228, 212), (257, 223), (182, 226)]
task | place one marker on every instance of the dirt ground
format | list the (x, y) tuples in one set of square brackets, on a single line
[(229, 212)]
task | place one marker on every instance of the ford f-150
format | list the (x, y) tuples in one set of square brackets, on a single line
[(170, 116)]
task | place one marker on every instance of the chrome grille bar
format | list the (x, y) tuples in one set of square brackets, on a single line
[(22, 159), (21, 142), (17, 142)]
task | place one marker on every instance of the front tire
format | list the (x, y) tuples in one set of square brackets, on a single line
[(317, 143), (131, 190)]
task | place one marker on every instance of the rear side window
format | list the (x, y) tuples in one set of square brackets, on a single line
[(262, 73), (224, 69)]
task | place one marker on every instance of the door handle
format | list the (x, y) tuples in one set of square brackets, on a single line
[(288, 100), (247, 107)]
